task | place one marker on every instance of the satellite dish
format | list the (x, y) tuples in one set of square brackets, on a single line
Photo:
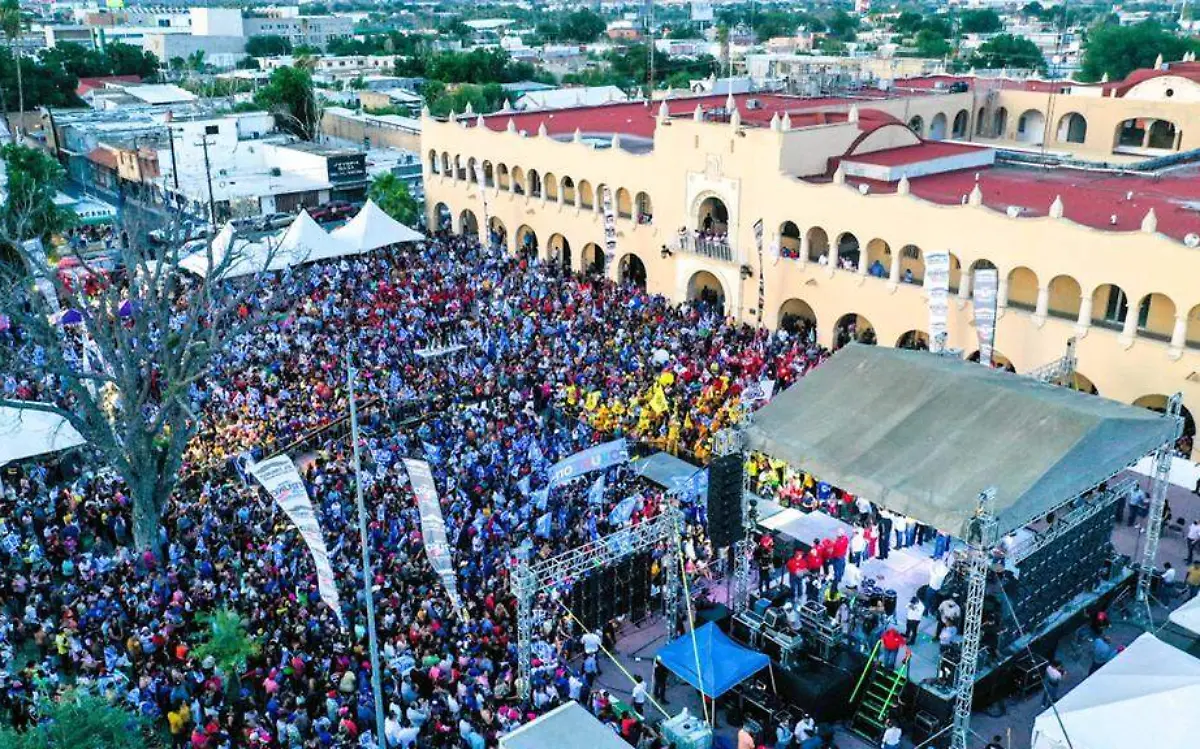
[(1192, 240)]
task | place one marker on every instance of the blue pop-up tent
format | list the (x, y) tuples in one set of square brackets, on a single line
[(722, 662)]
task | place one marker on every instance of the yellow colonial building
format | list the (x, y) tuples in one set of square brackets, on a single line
[(853, 193)]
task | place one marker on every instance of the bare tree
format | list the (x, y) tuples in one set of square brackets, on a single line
[(116, 349)]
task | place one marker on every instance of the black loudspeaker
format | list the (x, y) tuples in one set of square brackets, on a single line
[(725, 500)]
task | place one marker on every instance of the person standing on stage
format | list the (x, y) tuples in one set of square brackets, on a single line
[(884, 532), (900, 528), (797, 567), (1052, 681), (763, 553), (1193, 540), (913, 616), (661, 674), (841, 547), (858, 547), (892, 736)]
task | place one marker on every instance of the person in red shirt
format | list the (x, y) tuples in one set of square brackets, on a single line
[(841, 547), (826, 549), (813, 557), (892, 642), (797, 566)]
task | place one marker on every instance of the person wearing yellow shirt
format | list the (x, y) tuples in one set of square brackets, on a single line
[(177, 721)]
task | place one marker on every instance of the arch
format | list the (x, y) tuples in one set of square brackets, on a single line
[(1000, 122), (527, 241), (789, 240), (518, 180), (587, 199), (558, 251), (912, 264), (955, 273), (853, 326), (917, 125), (707, 290), (460, 171), (1023, 289), (818, 245), (446, 163), (914, 340), (434, 167), (535, 184), (848, 251), (1161, 135), (1110, 306), (498, 233), (568, 191), (442, 217), (937, 127), (644, 208), (550, 182), (1065, 297), (1031, 126), (1158, 403), (999, 361), (624, 203), (712, 217), (471, 177), (467, 223), (632, 270), (796, 316), (1083, 384), (593, 259), (1193, 327), (1072, 128), (980, 121), (489, 174), (1156, 317), (502, 177), (962, 124), (600, 188), (879, 258)]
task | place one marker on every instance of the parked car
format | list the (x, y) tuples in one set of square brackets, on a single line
[(185, 232), (272, 221), (335, 210)]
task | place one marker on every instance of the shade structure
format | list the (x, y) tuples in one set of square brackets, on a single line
[(372, 228), (723, 663), (923, 435), (1146, 696), (232, 256), (306, 242), (28, 433), (568, 726)]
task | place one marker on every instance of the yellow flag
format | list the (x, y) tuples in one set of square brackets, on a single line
[(658, 401), (593, 399)]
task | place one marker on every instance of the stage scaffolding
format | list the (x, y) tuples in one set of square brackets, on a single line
[(1158, 499), (570, 567), (983, 539)]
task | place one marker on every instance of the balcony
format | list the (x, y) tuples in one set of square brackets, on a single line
[(717, 248)]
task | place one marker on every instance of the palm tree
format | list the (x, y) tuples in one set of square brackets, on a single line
[(12, 23)]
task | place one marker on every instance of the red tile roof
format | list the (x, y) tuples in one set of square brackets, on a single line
[(103, 157), (88, 84), (1189, 70), (1088, 198)]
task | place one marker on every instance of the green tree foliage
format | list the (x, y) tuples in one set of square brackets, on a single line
[(907, 23), (479, 66), (774, 23), (582, 26), (441, 100), (842, 26), (227, 642), (929, 43), (1119, 50), (979, 22), (78, 719), (289, 95), (1008, 51), (391, 194), (34, 178), (268, 45), (115, 59), (391, 42), (44, 85)]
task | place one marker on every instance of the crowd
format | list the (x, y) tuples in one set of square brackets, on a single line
[(552, 364)]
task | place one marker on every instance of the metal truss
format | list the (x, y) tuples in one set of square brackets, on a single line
[(1060, 371), (1158, 498), (532, 579), (1072, 519), (980, 557)]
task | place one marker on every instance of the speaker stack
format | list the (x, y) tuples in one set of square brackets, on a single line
[(725, 500), (620, 590)]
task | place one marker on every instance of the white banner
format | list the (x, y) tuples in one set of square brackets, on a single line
[(282, 481), (762, 289), (485, 231), (585, 461), (985, 284), (610, 226), (433, 526), (937, 284)]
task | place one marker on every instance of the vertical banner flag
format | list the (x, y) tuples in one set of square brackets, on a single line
[(937, 280), (485, 231), (282, 481), (433, 526), (762, 292), (610, 227), (592, 459), (986, 283), (596, 493)]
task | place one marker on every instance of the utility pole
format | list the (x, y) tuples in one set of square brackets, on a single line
[(212, 206), (368, 572), (174, 164)]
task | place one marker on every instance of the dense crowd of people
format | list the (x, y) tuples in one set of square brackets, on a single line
[(550, 364)]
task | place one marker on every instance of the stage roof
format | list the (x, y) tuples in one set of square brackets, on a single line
[(569, 726), (665, 470), (923, 435)]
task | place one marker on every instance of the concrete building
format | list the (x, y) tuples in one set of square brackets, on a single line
[(851, 200), (316, 31)]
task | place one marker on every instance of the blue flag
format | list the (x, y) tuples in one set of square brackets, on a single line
[(543, 526), (523, 485), (541, 497), (432, 452), (596, 493), (623, 511)]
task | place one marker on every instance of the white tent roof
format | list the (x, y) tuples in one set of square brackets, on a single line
[(25, 433), (372, 229), (1187, 616), (1150, 683), (250, 257), (306, 242)]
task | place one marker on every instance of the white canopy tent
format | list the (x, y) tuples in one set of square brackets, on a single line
[(304, 241), (372, 229), (568, 726), (247, 257), (27, 433), (1149, 684), (1187, 616)]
